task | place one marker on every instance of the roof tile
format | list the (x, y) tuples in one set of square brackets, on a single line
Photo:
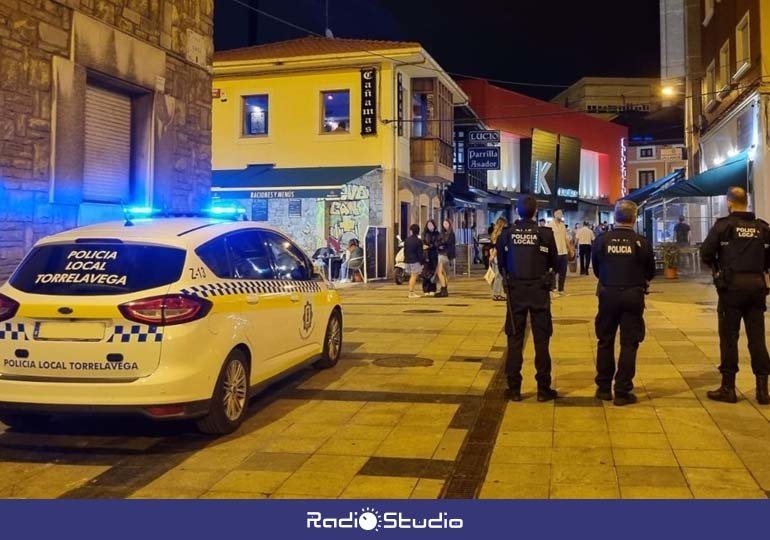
[(309, 46)]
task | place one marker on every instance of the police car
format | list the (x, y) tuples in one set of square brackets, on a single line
[(170, 318)]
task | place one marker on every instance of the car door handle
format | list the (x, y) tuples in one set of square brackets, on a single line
[(294, 297), (252, 299)]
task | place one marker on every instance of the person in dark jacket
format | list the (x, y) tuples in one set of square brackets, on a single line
[(527, 257), (413, 257), (624, 263), (446, 254), (430, 257), (737, 249)]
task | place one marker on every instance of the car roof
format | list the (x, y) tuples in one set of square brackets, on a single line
[(182, 232)]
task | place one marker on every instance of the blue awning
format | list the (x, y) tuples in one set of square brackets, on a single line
[(268, 182), (645, 193), (714, 182)]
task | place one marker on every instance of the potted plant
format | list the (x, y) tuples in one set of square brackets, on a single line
[(670, 253)]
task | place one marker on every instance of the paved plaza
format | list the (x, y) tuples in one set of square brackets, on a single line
[(416, 409)]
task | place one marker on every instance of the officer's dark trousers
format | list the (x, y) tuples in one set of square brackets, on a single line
[(584, 251), (528, 298), (749, 305), (624, 308)]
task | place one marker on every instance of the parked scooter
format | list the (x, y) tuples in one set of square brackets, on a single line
[(399, 269)]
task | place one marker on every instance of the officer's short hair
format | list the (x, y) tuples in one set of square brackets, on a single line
[(526, 206), (738, 196), (415, 229), (625, 212)]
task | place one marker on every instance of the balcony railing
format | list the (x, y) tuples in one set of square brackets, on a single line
[(432, 160)]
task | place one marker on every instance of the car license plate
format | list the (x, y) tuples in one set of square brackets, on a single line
[(69, 331)]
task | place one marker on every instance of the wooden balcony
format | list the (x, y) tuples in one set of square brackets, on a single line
[(432, 160)]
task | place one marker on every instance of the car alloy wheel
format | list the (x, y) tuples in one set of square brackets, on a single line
[(235, 389)]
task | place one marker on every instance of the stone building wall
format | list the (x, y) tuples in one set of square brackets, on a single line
[(48, 49)]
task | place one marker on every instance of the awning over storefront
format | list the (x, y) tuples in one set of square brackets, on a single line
[(714, 182), (465, 200), (650, 190), (268, 182)]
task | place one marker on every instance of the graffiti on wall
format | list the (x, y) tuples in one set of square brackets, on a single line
[(348, 217)]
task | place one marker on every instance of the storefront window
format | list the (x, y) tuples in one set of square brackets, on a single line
[(255, 115), (336, 111)]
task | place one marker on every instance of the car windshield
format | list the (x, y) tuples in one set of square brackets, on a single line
[(97, 268)]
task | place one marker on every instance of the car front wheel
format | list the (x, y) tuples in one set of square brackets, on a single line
[(228, 404)]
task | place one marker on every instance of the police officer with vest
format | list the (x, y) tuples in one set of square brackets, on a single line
[(624, 263), (738, 251), (528, 257)]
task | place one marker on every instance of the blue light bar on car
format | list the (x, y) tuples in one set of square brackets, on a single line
[(140, 211), (226, 211)]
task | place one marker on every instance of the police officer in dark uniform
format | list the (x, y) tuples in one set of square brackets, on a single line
[(738, 251), (528, 257), (624, 263)]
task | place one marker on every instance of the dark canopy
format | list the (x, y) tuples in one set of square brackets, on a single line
[(713, 182)]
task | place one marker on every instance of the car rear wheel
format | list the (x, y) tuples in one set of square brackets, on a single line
[(332, 342), (25, 422), (230, 399)]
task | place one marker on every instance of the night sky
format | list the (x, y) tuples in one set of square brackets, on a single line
[(542, 41)]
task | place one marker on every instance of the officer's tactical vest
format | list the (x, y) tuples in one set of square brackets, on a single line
[(527, 253), (742, 248), (622, 264)]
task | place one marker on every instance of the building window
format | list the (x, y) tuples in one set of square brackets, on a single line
[(336, 111), (107, 155), (708, 87), (646, 152), (420, 114), (646, 176), (255, 115), (724, 65), (459, 147), (742, 46), (709, 12)]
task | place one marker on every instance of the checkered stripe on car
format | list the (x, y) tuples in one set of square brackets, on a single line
[(136, 333), (13, 331), (267, 286)]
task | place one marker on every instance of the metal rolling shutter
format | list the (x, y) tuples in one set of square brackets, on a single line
[(106, 172)]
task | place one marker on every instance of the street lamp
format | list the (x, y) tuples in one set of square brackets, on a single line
[(668, 91)]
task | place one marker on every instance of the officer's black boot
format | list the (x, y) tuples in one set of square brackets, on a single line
[(622, 399), (763, 398), (605, 394), (726, 392), (545, 393), (514, 389)]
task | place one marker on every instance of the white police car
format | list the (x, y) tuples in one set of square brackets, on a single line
[(171, 318)]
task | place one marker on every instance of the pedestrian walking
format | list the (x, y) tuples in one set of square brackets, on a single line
[(528, 255), (430, 257), (585, 237), (624, 263), (498, 290), (561, 235), (737, 249), (413, 257), (445, 245)]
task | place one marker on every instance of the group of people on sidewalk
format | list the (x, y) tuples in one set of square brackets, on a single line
[(569, 246), (528, 258), (430, 256)]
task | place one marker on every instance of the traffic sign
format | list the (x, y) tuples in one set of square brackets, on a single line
[(484, 136), (484, 158)]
